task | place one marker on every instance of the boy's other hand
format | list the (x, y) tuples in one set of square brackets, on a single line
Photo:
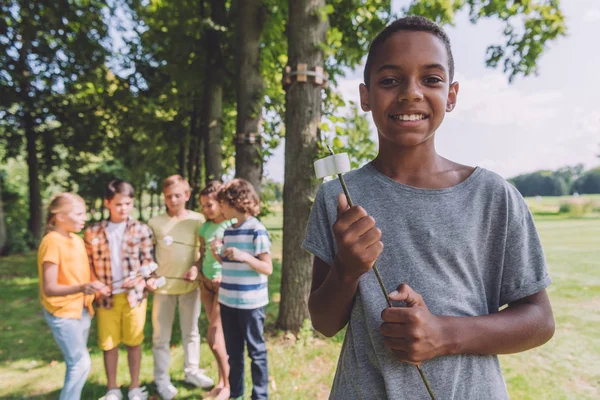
[(151, 284), (235, 254), (192, 274), (130, 283), (413, 333), (105, 291), (358, 239), (92, 287)]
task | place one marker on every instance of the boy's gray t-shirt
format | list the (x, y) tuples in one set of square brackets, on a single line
[(468, 250)]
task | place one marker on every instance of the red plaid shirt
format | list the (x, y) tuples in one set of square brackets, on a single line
[(137, 251)]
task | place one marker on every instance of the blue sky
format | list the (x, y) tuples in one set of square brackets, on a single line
[(539, 122)]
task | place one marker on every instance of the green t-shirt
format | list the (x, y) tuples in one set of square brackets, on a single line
[(209, 231)]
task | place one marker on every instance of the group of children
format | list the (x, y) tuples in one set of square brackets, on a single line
[(220, 257), (456, 243)]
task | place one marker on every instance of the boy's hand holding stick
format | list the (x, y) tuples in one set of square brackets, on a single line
[(359, 246)]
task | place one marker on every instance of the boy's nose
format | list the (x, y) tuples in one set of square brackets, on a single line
[(410, 91)]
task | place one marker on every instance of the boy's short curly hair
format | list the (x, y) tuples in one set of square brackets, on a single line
[(415, 24), (240, 194), (212, 188)]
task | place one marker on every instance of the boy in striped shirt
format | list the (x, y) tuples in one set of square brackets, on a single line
[(246, 264)]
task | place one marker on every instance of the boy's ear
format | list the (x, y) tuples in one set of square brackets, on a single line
[(106, 203), (452, 96), (364, 97)]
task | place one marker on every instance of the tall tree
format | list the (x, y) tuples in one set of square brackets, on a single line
[(212, 119), (3, 238), (45, 46), (250, 19), (307, 30)]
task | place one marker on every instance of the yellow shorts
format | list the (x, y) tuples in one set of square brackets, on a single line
[(121, 323)]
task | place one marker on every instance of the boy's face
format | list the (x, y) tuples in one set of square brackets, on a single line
[(228, 211), (175, 197), (410, 89), (211, 208), (120, 207)]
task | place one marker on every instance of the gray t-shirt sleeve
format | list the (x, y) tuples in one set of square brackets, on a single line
[(319, 238), (524, 272)]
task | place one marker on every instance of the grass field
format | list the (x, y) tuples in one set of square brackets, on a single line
[(568, 367)]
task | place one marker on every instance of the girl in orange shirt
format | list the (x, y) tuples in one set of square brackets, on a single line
[(67, 289)]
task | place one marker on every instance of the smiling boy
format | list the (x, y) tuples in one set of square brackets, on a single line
[(454, 244), (174, 260)]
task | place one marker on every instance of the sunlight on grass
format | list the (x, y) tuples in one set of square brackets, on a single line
[(568, 367)]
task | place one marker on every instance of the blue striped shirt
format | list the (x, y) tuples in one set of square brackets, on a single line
[(242, 287)]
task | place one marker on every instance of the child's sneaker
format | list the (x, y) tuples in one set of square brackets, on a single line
[(166, 391), (138, 393), (199, 379), (113, 394)]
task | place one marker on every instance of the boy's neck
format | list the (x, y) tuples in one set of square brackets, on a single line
[(179, 213), (241, 218), (420, 167), (116, 220)]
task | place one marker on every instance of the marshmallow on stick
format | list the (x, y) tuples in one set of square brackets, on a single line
[(338, 164), (168, 240)]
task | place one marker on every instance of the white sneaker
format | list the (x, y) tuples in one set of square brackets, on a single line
[(138, 393), (166, 391), (200, 380), (113, 394)]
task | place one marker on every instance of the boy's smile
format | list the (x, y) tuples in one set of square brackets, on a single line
[(410, 89)]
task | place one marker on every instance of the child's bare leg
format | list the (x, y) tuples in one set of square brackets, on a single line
[(111, 359), (134, 357), (216, 340)]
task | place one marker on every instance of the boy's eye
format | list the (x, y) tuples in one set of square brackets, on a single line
[(432, 80), (388, 81)]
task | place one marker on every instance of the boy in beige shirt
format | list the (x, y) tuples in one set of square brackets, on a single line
[(176, 251)]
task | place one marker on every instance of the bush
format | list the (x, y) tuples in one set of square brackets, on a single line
[(576, 207)]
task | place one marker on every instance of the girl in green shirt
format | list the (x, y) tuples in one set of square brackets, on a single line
[(208, 270)]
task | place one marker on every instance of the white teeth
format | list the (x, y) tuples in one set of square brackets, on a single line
[(408, 117)]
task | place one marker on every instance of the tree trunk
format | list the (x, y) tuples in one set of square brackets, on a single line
[(303, 112), (181, 156), (212, 122), (193, 145), (35, 196), (140, 206), (101, 209), (152, 199), (3, 238), (250, 91)]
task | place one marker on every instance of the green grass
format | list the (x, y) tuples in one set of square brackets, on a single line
[(568, 367)]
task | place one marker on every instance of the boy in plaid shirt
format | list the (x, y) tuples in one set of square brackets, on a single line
[(116, 247)]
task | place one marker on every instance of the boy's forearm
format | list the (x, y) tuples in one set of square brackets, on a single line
[(523, 325), (331, 303), (262, 267)]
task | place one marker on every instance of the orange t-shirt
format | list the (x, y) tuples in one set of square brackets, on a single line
[(73, 269)]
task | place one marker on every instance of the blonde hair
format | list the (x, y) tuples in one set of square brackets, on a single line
[(240, 194), (176, 180), (58, 204)]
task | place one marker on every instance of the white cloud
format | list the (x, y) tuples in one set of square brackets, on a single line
[(592, 15), (491, 100)]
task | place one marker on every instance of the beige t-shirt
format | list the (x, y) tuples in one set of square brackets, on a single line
[(175, 259)]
